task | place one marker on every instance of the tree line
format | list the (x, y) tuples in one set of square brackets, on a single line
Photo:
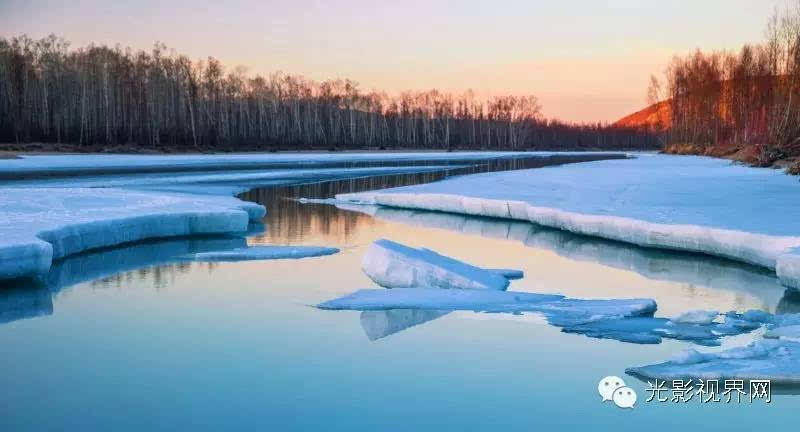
[(103, 96), (749, 100)]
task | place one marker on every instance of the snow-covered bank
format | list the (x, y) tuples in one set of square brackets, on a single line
[(40, 225), (675, 202)]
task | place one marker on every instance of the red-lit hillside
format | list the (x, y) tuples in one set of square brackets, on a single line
[(654, 117)]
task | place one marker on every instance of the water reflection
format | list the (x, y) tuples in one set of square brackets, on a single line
[(290, 222), (379, 324), (657, 264), (22, 302), (790, 302), (160, 261)]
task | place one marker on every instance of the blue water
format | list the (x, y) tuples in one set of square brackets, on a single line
[(127, 339)]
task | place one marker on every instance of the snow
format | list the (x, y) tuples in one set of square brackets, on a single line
[(263, 253), (43, 224), (777, 361), (393, 265), (684, 203)]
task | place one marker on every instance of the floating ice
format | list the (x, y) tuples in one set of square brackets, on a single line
[(393, 265), (791, 332), (508, 273), (263, 253), (697, 317), (40, 225), (777, 361), (658, 264), (675, 202), (555, 307)]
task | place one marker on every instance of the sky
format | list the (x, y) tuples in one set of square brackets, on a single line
[(586, 60)]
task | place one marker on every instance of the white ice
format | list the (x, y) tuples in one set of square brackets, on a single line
[(40, 225), (27, 166), (685, 203), (483, 300), (697, 317), (774, 360), (790, 332), (263, 253), (393, 265), (657, 264), (507, 273)]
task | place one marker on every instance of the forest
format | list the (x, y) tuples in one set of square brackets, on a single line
[(744, 104), (99, 97)]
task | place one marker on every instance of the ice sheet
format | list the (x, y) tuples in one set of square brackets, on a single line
[(40, 225), (777, 361), (657, 264), (263, 253), (686, 203), (482, 300), (38, 166), (507, 273)]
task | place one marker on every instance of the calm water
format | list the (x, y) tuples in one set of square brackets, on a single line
[(121, 339)]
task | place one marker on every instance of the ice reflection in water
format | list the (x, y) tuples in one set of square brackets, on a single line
[(542, 250)]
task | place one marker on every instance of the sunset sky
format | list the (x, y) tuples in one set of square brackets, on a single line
[(585, 60)]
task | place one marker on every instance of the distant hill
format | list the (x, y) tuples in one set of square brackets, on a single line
[(655, 117)]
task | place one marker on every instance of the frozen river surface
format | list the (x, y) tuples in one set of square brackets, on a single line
[(130, 338)]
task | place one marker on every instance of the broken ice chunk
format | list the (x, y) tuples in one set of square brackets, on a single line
[(557, 308), (697, 317), (791, 332), (264, 253), (393, 265), (508, 273), (777, 361)]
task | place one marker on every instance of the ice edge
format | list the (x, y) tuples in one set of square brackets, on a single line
[(778, 253)]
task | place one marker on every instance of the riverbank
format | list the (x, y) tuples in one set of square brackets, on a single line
[(746, 155)]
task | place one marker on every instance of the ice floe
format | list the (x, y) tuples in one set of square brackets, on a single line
[(675, 202), (507, 273), (263, 253), (696, 317), (40, 225), (774, 360), (791, 332), (393, 265), (483, 300), (658, 264)]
